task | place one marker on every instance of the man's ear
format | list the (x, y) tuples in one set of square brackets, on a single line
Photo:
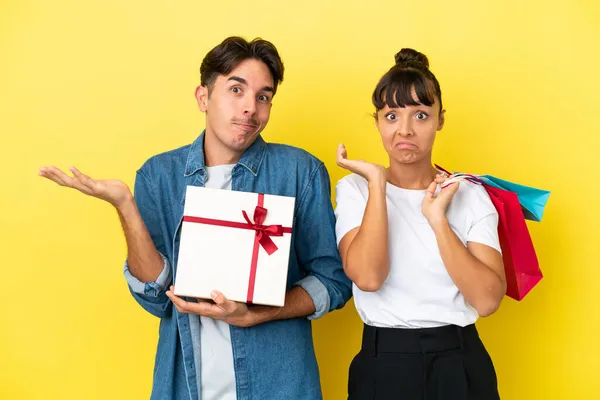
[(201, 95)]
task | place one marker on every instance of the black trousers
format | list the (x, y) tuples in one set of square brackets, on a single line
[(445, 363)]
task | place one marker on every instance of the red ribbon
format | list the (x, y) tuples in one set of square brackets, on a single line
[(262, 236)]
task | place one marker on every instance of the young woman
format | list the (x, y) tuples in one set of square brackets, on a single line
[(425, 260)]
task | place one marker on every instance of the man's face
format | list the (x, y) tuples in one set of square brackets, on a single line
[(238, 105)]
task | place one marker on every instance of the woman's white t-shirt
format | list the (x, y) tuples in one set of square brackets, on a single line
[(418, 292)]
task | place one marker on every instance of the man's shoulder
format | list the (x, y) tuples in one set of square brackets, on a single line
[(284, 153), (166, 162)]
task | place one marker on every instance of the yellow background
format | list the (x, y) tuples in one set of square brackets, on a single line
[(104, 85)]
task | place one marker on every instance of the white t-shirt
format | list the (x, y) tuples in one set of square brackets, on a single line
[(418, 292), (217, 374)]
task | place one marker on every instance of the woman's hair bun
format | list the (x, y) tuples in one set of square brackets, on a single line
[(411, 58)]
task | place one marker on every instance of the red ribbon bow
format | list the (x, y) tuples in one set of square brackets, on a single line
[(263, 232)]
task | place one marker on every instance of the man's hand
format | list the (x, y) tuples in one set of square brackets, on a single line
[(231, 312), (115, 192)]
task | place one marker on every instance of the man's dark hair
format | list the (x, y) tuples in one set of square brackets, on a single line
[(225, 57)]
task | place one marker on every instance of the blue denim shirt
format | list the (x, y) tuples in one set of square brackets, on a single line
[(274, 360)]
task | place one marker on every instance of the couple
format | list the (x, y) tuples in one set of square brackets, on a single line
[(423, 263)]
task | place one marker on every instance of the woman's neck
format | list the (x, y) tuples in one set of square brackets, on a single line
[(414, 176)]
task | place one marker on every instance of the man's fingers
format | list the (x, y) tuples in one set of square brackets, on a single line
[(84, 179), (179, 303), (59, 177), (186, 307), (222, 302), (55, 175), (218, 297), (202, 308)]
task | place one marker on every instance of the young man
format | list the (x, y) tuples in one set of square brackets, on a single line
[(228, 350)]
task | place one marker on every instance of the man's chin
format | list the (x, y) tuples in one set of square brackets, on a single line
[(242, 142)]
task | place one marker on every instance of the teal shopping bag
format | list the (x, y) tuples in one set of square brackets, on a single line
[(532, 200)]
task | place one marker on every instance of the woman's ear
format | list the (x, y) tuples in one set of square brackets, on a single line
[(441, 120)]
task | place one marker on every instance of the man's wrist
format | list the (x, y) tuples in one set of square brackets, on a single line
[(260, 314), (127, 206)]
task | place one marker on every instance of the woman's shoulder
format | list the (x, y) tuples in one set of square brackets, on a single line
[(473, 196), (353, 181), (352, 186)]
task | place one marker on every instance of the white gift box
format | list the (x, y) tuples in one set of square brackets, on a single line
[(223, 249)]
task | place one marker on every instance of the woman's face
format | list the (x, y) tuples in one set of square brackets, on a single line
[(408, 132)]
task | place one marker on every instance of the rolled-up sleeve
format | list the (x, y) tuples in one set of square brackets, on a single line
[(151, 289), (315, 242)]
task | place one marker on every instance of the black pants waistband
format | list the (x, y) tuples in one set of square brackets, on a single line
[(417, 341)]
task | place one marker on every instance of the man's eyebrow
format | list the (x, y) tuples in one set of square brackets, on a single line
[(245, 82), (238, 79)]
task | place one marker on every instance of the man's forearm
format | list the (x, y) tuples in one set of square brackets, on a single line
[(145, 262), (298, 303)]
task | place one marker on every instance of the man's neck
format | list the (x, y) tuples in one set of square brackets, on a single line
[(216, 153)]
